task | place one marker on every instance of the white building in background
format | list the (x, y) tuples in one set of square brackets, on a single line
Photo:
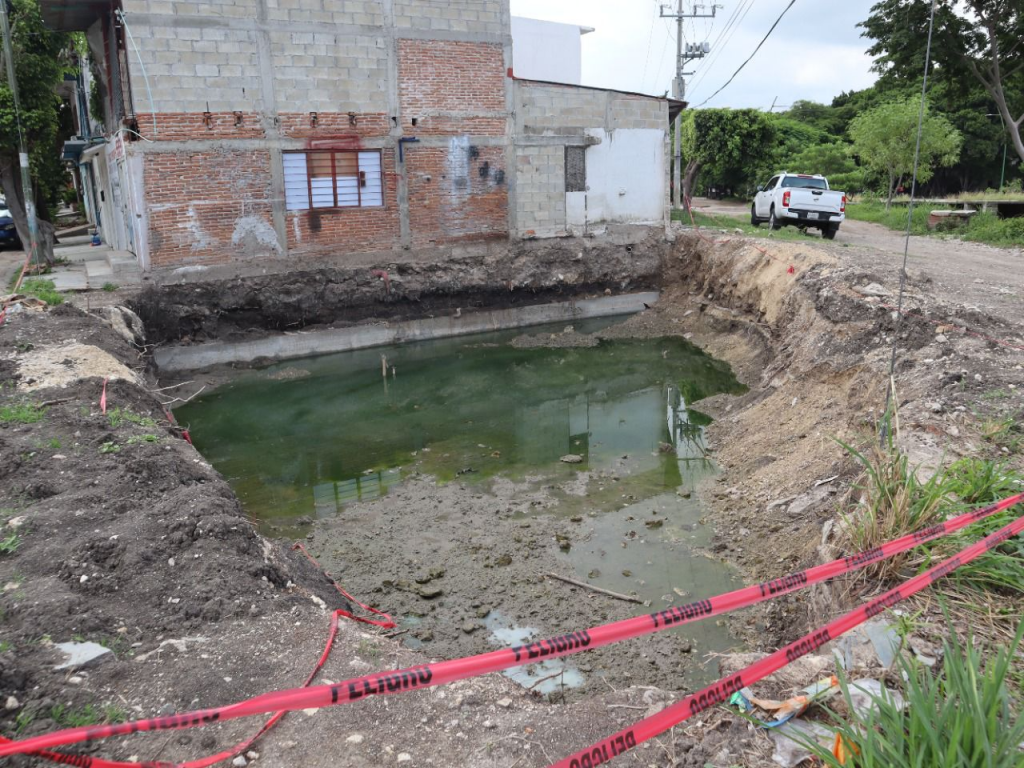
[(547, 50)]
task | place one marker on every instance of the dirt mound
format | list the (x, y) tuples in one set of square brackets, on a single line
[(116, 530), (533, 272)]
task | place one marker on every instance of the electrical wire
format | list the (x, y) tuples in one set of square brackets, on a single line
[(906, 242), (647, 58), (751, 56), (724, 38), (142, 66)]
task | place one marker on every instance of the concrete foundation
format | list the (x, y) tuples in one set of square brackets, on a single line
[(293, 345)]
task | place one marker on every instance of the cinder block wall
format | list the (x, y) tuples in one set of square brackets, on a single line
[(626, 141), (214, 186)]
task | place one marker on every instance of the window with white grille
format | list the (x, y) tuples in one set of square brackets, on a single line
[(329, 179)]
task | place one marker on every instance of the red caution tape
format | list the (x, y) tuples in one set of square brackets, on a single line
[(430, 675), (718, 693), (103, 398), (386, 623)]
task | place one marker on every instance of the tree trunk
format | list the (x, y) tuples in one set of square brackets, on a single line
[(892, 189), (10, 181), (692, 169)]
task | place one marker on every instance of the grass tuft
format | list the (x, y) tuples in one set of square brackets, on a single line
[(46, 290), (963, 715), (21, 413)]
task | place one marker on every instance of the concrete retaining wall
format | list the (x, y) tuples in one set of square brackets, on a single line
[(293, 345)]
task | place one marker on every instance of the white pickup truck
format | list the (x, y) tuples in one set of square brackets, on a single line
[(801, 200)]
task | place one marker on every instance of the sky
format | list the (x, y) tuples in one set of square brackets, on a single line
[(814, 54)]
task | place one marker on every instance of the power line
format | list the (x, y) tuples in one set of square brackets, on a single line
[(647, 58), (784, 11), (723, 40)]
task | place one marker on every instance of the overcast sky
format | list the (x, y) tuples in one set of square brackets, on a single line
[(815, 53)]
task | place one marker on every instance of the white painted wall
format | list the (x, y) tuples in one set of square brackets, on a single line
[(625, 180), (547, 50)]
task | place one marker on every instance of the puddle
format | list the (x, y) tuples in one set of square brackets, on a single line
[(306, 440), (546, 677)]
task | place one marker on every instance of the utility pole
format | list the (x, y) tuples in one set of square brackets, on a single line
[(684, 54), (26, 178)]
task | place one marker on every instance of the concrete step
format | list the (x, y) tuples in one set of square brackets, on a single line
[(98, 270)]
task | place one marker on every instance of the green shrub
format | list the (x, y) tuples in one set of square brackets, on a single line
[(963, 715)]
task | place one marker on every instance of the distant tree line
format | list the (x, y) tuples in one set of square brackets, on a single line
[(864, 140)]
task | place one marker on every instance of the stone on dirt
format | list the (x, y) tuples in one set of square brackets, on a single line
[(81, 655), (572, 458)]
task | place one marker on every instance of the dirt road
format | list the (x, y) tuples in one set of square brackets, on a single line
[(983, 277)]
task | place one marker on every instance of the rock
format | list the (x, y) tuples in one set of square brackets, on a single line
[(80, 655), (941, 338), (627, 573), (76, 680), (355, 738), (594, 573), (429, 593), (469, 627), (935, 407), (871, 289), (490, 724), (252, 754), (504, 560), (12, 704), (404, 757), (654, 523), (482, 611), (240, 762), (571, 458), (504, 703), (16, 522), (576, 519)]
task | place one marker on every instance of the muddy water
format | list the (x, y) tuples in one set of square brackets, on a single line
[(310, 445)]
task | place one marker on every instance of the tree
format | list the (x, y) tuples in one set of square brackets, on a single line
[(832, 160), (723, 144), (885, 140), (40, 61), (983, 42)]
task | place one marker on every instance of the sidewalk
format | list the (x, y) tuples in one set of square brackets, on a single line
[(87, 267)]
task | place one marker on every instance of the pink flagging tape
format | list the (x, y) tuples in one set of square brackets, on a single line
[(441, 673), (719, 692)]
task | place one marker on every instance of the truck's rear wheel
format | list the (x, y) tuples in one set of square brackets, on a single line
[(829, 232), (754, 221), (773, 222)]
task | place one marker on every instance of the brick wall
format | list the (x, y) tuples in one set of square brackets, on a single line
[(450, 78), (349, 230), (208, 207), (457, 193), (209, 198)]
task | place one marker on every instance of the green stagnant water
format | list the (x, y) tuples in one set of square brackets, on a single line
[(302, 439)]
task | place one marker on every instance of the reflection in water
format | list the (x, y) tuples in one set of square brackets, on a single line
[(292, 448)]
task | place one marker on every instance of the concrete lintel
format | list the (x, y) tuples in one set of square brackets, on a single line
[(293, 345), (557, 141)]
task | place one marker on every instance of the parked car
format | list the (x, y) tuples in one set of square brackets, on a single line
[(801, 200), (8, 233)]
